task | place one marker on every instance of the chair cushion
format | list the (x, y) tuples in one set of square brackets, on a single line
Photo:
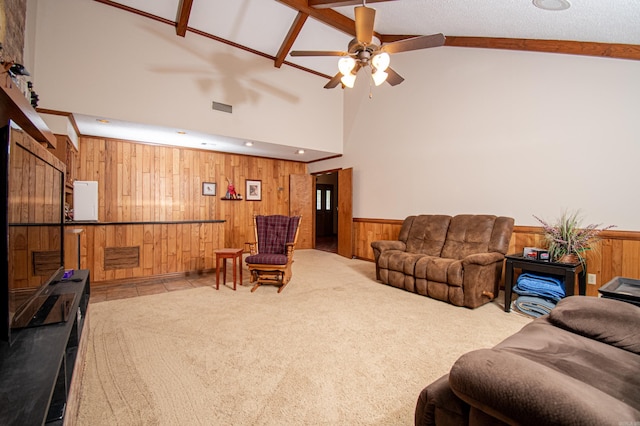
[(468, 234), (272, 234), (438, 269), (267, 259), (427, 234), (401, 261)]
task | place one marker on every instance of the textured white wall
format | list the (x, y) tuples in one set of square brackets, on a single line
[(98, 60), (502, 132)]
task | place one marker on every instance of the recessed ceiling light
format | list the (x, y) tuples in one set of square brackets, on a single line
[(300, 151), (248, 143), (102, 120), (552, 4), (181, 132)]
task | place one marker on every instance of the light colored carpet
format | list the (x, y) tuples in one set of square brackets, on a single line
[(336, 347)]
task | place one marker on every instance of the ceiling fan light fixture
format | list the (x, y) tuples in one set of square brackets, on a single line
[(348, 80), (379, 77), (367, 50), (346, 64), (381, 61)]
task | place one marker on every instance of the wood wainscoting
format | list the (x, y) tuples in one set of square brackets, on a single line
[(617, 254), (161, 249)]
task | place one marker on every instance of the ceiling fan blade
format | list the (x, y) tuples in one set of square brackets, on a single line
[(318, 53), (415, 43), (365, 18), (335, 80), (394, 78)]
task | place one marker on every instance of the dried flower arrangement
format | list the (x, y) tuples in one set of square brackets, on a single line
[(569, 239)]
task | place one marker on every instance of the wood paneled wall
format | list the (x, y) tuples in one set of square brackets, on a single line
[(34, 212), (35, 183), (150, 183), (618, 254), (162, 249)]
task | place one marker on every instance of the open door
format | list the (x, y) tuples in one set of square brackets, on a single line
[(302, 190), (345, 213), (301, 202)]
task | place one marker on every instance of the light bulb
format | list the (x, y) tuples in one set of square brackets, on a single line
[(379, 77), (348, 80), (381, 61), (346, 64)]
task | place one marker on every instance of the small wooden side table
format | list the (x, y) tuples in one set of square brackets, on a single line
[(222, 255)]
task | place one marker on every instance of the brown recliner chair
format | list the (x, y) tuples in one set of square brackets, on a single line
[(454, 259), (578, 365)]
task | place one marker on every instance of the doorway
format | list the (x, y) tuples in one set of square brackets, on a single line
[(327, 212)]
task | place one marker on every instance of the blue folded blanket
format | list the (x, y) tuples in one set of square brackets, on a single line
[(544, 286), (533, 306)]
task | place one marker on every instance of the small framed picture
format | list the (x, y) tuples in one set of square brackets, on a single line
[(254, 190), (208, 188)]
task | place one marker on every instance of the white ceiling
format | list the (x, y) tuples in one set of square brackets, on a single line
[(262, 25), (117, 129)]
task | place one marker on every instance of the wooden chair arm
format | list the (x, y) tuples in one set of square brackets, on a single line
[(253, 247), (290, 247)]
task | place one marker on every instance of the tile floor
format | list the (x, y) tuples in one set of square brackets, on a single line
[(163, 285), (155, 286)]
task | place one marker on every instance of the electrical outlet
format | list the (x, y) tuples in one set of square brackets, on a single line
[(591, 278)]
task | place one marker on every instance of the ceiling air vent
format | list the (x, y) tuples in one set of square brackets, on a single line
[(221, 107)]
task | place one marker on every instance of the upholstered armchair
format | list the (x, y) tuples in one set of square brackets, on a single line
[(271, 255)]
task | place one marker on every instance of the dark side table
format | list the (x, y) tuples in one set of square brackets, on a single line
[(567, 271), (621, 288)]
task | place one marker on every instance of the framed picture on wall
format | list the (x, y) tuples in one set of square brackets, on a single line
[(208, 188), (254, 190)]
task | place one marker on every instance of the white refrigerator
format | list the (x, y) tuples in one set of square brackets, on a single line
[(85, 200)]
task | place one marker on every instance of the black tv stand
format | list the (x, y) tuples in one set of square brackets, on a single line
[(38, 371)]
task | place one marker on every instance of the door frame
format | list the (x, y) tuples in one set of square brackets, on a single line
[(345, 232)]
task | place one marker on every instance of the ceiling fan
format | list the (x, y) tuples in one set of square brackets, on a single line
[(366, 50)]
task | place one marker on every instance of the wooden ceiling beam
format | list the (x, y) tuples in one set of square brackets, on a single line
[(291, 37), (328, 16), (621, 51), (183, 17), (325, 4), (342, 23)]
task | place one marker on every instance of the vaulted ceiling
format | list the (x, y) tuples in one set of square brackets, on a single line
[(274, 28)]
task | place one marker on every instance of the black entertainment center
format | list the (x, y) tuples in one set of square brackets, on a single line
[(43, 308), (36, 370)]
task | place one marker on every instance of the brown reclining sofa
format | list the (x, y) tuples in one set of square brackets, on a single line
[(456, 259)]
